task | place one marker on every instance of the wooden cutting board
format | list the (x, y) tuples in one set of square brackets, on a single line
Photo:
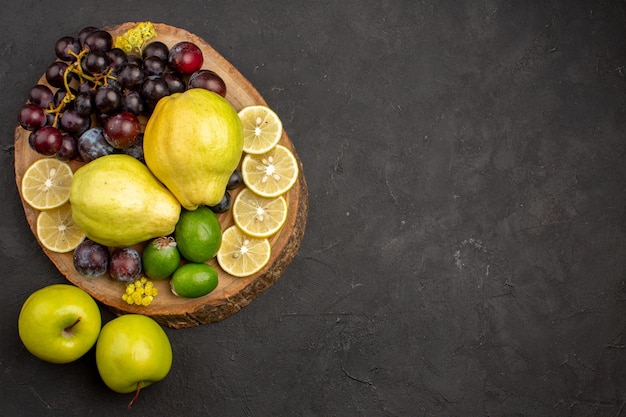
[(232, 293)]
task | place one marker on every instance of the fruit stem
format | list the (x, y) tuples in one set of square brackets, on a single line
[(130, 404), (67, 332)]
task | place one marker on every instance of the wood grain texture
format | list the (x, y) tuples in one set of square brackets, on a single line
[(232, 293)]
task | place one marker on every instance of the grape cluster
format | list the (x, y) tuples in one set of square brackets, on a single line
[(96, 94)]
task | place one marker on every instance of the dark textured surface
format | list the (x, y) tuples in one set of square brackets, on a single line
[(465, 249)]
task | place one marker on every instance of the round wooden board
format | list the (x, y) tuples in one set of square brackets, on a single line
[(232, 293)]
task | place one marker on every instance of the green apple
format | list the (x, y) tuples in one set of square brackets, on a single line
[(59, 323), (133, 352)]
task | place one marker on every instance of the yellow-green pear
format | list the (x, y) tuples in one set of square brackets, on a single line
[(193, 142)]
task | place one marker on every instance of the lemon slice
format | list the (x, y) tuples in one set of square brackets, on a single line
[(57, 231), (259, 216), (46, 183), (241, 255), (270, 174), (262, 129)]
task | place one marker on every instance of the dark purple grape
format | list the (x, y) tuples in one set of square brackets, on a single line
[(91, 259), (156, 48), (208, 80), (154, 88), (93, 145), (86, 87), (133, 102), (175, 82), (32, 117), (235, 180), (74, 122), (131, 76), (125, 265), (41, 95), (154, 65), (64, 48), (224, 204), (84, 104), (118, 58), (59, 96), (108, 100), (96, 62), (99, 40), (84, 32), (50, 119), (122, 130), (69, 148), (185, 57), (55, 74), (47, 140), (136, 149), (134, 59), (114, 84)]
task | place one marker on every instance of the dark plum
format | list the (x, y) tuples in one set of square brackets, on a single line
[(93, 145), (136, 149), (235, 180), (208, 80), (224, 204), (91, 259), (125, 265)]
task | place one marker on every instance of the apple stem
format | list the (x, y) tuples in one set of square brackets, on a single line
[(130, 404), (67, 332)]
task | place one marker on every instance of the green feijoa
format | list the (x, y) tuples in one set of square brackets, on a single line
[(193, 280), (198, 234), (160, 258)]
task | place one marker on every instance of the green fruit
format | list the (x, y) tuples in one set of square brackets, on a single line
[(160, 258), (132, 352), (192, 143), (194, 280), (59, 323), (198, 234), (117, 202)]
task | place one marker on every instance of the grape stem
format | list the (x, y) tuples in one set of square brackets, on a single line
[(76, 68)]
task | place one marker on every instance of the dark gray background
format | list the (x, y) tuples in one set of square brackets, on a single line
[(465, 250)]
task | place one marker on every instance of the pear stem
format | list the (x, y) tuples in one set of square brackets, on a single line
[(130, 404), (67, 332)]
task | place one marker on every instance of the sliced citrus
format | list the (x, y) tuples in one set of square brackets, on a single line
[(241, 255), (270, 174), (46, 183), (259, 216), (57, 231), (262, 129)]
